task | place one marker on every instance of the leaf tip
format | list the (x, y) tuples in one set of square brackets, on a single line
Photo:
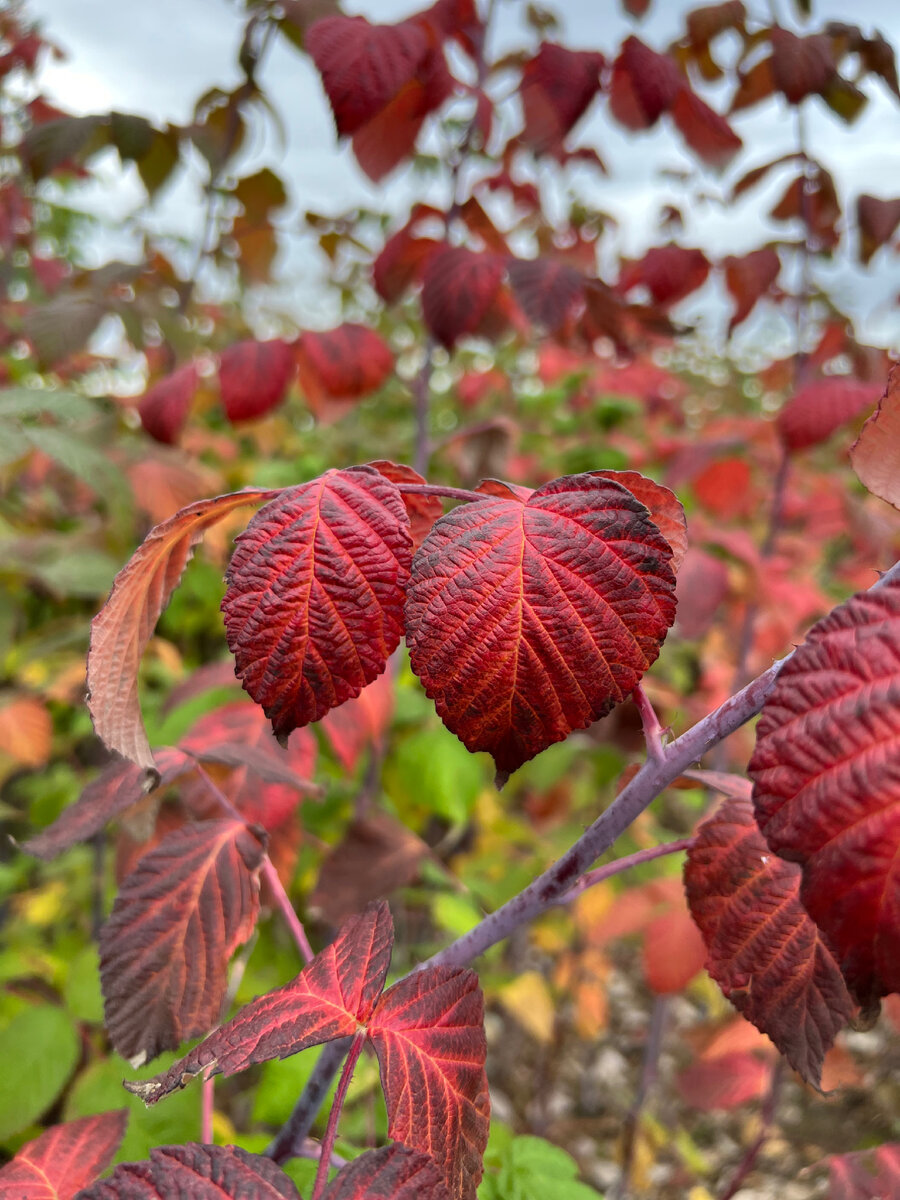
[(501, 778)]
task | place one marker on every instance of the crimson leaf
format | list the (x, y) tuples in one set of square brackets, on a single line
[(254, 377), (179, 916), (196, 1171), (570, 595), (393, 1171), (64, 1159), (313, 607)]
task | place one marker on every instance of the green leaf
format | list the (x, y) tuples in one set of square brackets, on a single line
[(39, 1049), (83, 460), (530, 1168), (17, 404), (432, 770), (81, 990)]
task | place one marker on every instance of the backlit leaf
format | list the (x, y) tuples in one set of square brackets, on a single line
[(547, 290), (63, 1160), (164, 407), (197, 1172), (179, 916), (393, 1171), (459, 288), (254, 378), (26, 731), (428, 1033), (826, 791), (313, 608), (669, 273), (571, 595), (124, 626), (765, 952), (876, 452), (557, 86), (340, 367), (422, 511), (327, 1000), (814, 413), (665, 508)]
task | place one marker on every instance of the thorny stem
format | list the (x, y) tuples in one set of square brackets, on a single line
[(268, 873), (654, 734), (334, 1115), (649, 1071), (545, 891), (207, 1108), (766, 1118)]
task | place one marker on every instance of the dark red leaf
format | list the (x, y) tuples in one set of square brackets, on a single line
[(571, 594), (328, 999), (125, 624), (164, 407), (865, 1174), (119, 787), (198, 1173), (63, 1160), (801, 66), (877, 220), (706, 132), (705, 23), (754, 85), (724, 1082), (557, 86), (814, 413), (313, 607), (812, 199), (748, 278), (827, 784), (547, 290), (393, 1172), (645, 84), (459, 287), (422, 511), (428, 1033), (403, 256), (361, 723), (458, 19), (668, 272), (178, 918), (666, 510), (765, 952), (876, 452), (254, 378), (340, 367), (364, 66)]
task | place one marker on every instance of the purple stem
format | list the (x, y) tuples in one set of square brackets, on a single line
[(766, 1117), (333, 1117), (292, 1136), (438, 489), (207, 1107), (590, 878), (654, 734), (649, 1072)]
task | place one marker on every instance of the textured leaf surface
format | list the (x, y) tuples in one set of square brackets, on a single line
[(866, 1174), (124, 626), (196, 1172), (64, 1159), (570, 595), (327, 1000), (119, 787), (765, 952), (254, 378), (428, 1033), (459, 287), (814, 413), (666, 510), (164, 407), (341, 366), (178, 918), (313, 607), (876, 452), (391, 1173), (422, 511), (826, 773)]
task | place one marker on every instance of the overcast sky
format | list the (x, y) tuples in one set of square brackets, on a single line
[(158, 58)]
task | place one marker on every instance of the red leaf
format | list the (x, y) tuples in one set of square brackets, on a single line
[(666, 511), (876, 452), (403, 256), (422, 511), (120, 786), (706, 132), (63, 1160), (724, 1082), (313, 607), (198, 1172), (866, 1174), (801, 66), (164, 408), (428, 1033), (328, 999), (360, 723), (571, 594), (393, 1171), (827, 784), (459, 288), (254, 378), (557, 86), (547, 290), (668, 272), (765, 952), (341, 366), (877, 220), (644, 85), (673, 952), (364, 66), (814, 413), (749, 278), (724, 488), (124, 626), (702, 586), (178, 918)]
